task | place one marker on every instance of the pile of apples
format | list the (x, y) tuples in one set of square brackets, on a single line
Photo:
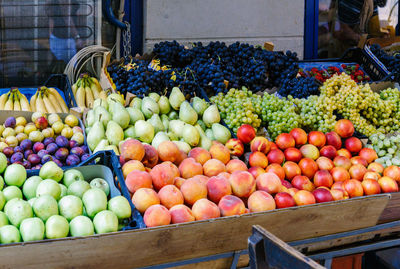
[(315, 167)]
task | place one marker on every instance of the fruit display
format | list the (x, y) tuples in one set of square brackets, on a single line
[(14, 100), (45, 138), (154, 119), (48, 100), (87, 89), (391, 62), (56, 204)]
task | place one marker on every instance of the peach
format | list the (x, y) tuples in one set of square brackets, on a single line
[(269, 182), (325, 163), (344, 128), (358, 160), (276, 156), (302, 183), (220, 152), (201, 178), (224, 175), (357, 172), (235, 165), (376, 167), (144, 198), (353, 187), (339, 174), (132, 149), (193, 190), (309, 151), (317, 139), (235, 147), (328, 151), (130, 166), (258, 158), (150, 158), (339, 195), (333, 139), (388, 184), (322, 195), (273, 145), (164, 174), (218, 187), (170, 195), (323, 178), (371, 186), (205, 209), (368, 154), (392, 172), (292, 191), (284, 141), (246, 133), (291, 170), (181, 156), (261, 201), (353, 144), (213, 167), (341, 161), (283, 200), (276, 169), (189, 168), (261, 144), (242, 183), (303, 197), (200, 155), (308, 167), (286, 184), (168, 151), (293, 155), (371, 175), (138, 179), (157, 215), (230, 205), (181, 214), (178, 181), (299, 135), (255, 171), (338, 185)]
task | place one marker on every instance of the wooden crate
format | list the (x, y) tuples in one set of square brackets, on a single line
[(151, 246), (392, 210)]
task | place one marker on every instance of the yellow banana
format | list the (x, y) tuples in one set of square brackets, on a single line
[(96, 82), (95, 92), (3, 100), (40, 104), (33, 101), (74, 87), (9, 104), (48, 104), (60, 100), (103, 95), (80, 97), (17, 105), (24, 102), (54, 102), (89, 97)]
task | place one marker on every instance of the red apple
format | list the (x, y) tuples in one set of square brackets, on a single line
[(353, 187), (293, 154), (291, 170), (344, 152), (328, 151), (276, 169), (368, 154), (275, 156), (376, 167), (317, 139), (353, 144), (283, 200), (309, 151), (392, 172), (357, 172), (358, 160), (341, 161), (388, 184), (339, 174), (322, 195), (324, 163), (344, 128), (303, 197), (333, 139), (370, 186), (246, 133), (302, 183), (299, 135), (308, 167), (284, 141), (323, 178)]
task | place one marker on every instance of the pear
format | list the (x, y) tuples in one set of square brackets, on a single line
[(101, 146), (144, 131), (173, 115), (113, 148), (157, 123), (90, 118), (187, 113), (202, 124), (199, 105), (155, 96), (210, 134), (115, 97), (176, 126), (134, 114), (95, 135), (176, 98), (129, 132), (172, 136), (149, 107), (190, 135), (100, 102), (103, 115), (205, 142), (163, 103), (185, 147), (159, 138), (114, 133), (136, 103), (221, 133), (120, 115), (211, 115)]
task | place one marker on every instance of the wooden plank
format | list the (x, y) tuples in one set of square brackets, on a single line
[(392, 210), (139, 248)]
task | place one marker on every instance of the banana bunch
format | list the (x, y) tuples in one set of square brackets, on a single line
[(14, 100), (87, 89), (48, 100)]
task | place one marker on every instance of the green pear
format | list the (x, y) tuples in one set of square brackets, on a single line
[(163, 103), (154, 96), (149, 107), (144, 131), (159, 138), (221, 133), (172, 136), (173, 115), (120, 115), (129, 132), (101, 146), (210, 134), (114, 133), (135, 115), (165, 121), (187, 113), (185, 147), (211, 115), (94, 200), (190, 135), (113, 148), (90, 118), (199, 105), (156, 122), (176, 98), (115, 97), (202, 124), (136, 103), (95, 135), (100, 102), (205, 142), (176, 126), (102, 115), (51, 170)]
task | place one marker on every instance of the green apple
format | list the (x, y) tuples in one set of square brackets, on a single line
[(2, 200), (12, 192), (120, 206), (105, 222), (51, 170), (81, 226), (45, 206), (78, 188), (3, 162), (3, 219), (50, 187), (71, 176), (70, 206), (94, 200), (9, 234), (15, 175), (64, 190), (32, 201), (32, 229), (17, 210), (57, 227), (30, 186), (101, 184), (1, 183)]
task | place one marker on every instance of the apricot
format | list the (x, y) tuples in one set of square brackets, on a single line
[(144, 198)]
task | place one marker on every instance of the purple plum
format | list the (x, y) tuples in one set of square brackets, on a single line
[(62, 141), (38, 146), (72, 160), (52, 148), (26, 164), (38, 166), (42, 152), (18, 149), (10, 122), (72, 144), (17, 157), (58, 162), (61, 154), (27, 153), (77, 151), (48, 140), (33, 159), (26, 144), (46, 158), (85, 157), (8, 151), (85, 148)]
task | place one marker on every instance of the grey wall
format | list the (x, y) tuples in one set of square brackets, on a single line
[(251, 21)]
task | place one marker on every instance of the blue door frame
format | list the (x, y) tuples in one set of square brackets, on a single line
[(311, 29)]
